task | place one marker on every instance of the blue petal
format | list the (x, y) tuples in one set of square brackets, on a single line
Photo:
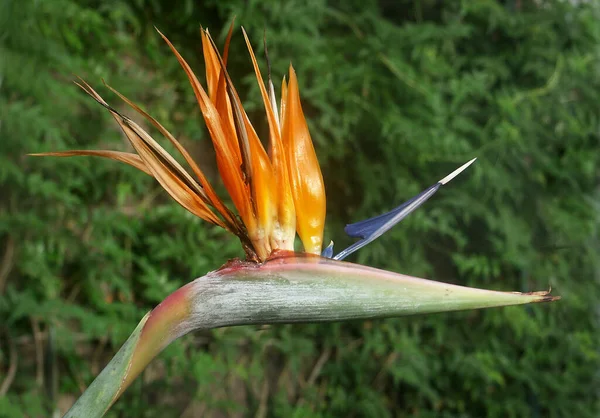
[(363, 229), (371, 229), (328, 251)]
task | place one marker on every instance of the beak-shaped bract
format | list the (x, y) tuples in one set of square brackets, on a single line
[(287, 288)]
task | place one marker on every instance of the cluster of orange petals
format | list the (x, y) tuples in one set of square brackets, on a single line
[(276, 193)]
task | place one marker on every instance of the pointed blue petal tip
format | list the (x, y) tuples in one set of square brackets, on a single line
[(328, 251), (372, 228)]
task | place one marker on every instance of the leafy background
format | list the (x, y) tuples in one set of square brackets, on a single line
[(398, 93)]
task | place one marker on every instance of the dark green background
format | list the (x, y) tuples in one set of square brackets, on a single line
[(398, 93)]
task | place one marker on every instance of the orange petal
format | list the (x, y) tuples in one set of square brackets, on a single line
[(210, 193), (150, 142), (227, 160), (257, 169), (283, 101), (228, 42), (213, 69), (177, 187), (217, 89), (305, 175), (169, 173), (284, 229), (211, 60), (133, 160), (271, 88)]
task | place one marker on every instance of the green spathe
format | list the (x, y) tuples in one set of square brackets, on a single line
[(288, 288), (306, 288)]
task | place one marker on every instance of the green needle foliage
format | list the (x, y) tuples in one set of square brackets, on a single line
[(398, 94)]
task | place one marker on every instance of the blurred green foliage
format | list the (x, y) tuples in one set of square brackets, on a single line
[(398, 94)]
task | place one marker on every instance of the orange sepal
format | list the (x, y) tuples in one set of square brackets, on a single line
[(284, 94), (133, 160), (263, 193), (305, 174), (210, 193), (217, 91), (163, 167), (178, 190), (284, 229), (227, 161), (256, 168)]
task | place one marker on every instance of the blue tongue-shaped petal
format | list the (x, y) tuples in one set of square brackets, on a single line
[(371, 229), (368, 227), (328, 251)]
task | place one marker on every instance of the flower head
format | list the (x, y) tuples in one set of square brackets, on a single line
[(276, 193)]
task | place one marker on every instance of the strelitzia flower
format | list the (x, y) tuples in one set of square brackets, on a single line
[(277, 193)]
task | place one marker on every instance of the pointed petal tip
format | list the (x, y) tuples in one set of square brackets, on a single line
[(548, 298), (541, 296), (456, 172), (328, 251), (159, 32)]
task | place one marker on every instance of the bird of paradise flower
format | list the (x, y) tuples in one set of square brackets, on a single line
[(277, 194)]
